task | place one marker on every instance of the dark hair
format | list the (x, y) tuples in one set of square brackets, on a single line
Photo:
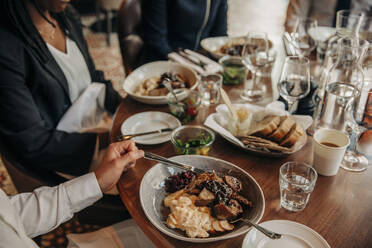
[(15, 14)]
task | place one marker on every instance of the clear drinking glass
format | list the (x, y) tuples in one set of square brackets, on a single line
[(296, 182), (209, 88), (294, 82), (259, 60), (348, 24), (359, 125), (301, 40)]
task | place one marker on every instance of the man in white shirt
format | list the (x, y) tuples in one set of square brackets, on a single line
[(28, 215)]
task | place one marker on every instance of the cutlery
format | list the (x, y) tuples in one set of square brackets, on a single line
[(129, 136), (155, 157), (289, 44), (181, 60), (268, 233), (228, 103), (167, 84)]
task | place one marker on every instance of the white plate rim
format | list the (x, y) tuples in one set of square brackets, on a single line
[(147, 113), (304, 227), (200, 240), (154, 63)]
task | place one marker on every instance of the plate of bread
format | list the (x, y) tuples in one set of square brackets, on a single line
[(266, 130)]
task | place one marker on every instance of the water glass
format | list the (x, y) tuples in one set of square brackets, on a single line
[(296, 182), (294, 82), (301, 40), (333, 111), (209, 88)]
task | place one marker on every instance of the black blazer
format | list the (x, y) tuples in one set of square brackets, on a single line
[(34, 96)]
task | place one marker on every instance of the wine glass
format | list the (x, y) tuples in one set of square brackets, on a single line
[(301, 37), (359, 125), (294, 82), (256, 56)]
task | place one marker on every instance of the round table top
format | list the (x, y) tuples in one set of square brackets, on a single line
[(339, 209)]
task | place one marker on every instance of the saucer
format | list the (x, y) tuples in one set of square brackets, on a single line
[(294, 235)]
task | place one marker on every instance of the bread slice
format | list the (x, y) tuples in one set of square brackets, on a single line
[(293, 136), (266, 126), (285, 126)]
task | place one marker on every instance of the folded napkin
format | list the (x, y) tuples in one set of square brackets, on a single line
[(218, 121), (86, 112), (125, 234), (209, 65)]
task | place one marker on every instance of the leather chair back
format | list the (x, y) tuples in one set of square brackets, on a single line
[(130, 37), (25, 179)]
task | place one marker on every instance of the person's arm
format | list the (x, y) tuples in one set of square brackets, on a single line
[(155, 25), (220, 24), (48, 207), (24, 129)]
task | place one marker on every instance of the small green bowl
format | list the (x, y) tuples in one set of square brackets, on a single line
[(192, 140)]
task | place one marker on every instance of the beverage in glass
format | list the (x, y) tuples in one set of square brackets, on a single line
[(296, 182), (209, 88), (294, 82)]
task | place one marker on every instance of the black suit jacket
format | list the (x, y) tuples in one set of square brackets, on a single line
[(34, 96)]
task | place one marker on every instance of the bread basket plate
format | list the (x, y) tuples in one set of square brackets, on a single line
[(215, 122), (152, 193)]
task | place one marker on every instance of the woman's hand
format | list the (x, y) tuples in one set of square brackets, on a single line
[(119, 157)]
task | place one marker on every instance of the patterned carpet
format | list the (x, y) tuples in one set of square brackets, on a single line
[(108, 59)]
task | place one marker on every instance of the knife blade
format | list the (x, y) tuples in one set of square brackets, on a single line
[(129, 136)]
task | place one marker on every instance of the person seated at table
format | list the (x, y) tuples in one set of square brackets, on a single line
[(172, 24), (44, 67), (28, 215)]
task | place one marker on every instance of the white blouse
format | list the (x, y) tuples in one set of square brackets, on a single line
[(74, 67)]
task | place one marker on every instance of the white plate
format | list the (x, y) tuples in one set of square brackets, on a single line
[(155, 69), (295, 235), (212, 44), (152, 194), (150, 121)]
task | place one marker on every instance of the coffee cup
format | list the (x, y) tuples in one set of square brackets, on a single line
[(329, 149)]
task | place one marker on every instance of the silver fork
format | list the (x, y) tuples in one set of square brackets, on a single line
[(155, 157), (268, 233)]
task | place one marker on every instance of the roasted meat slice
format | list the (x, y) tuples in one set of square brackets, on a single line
[(228, 211), (241, 199), (205, 197), (207, 176), (234, 183)]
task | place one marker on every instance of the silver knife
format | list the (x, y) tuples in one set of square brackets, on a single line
[(129, 136)]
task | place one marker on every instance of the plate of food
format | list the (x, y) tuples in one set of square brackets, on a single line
[(224, 45), (199, 207), (266, 130), (145, 84)]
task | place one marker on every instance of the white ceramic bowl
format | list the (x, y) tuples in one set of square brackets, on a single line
[(155, 69), (212, 44), (152, 194)]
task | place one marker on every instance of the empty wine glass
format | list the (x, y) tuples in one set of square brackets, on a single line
[(301, 39), (359, 125), (294, 82), (256, 56)]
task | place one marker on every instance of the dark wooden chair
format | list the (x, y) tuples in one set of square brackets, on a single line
[(129, 31)]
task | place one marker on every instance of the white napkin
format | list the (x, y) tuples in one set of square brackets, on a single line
[(218, 121), (86, 112), (125, 234)]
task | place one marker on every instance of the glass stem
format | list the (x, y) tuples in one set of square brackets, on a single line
[(291, 106)]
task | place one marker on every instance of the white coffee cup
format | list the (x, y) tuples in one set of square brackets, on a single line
[(327, 159)]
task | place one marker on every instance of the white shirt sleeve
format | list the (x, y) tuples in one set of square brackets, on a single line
[(47, 207)]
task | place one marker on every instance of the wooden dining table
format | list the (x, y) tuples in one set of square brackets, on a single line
[(339, 209)]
